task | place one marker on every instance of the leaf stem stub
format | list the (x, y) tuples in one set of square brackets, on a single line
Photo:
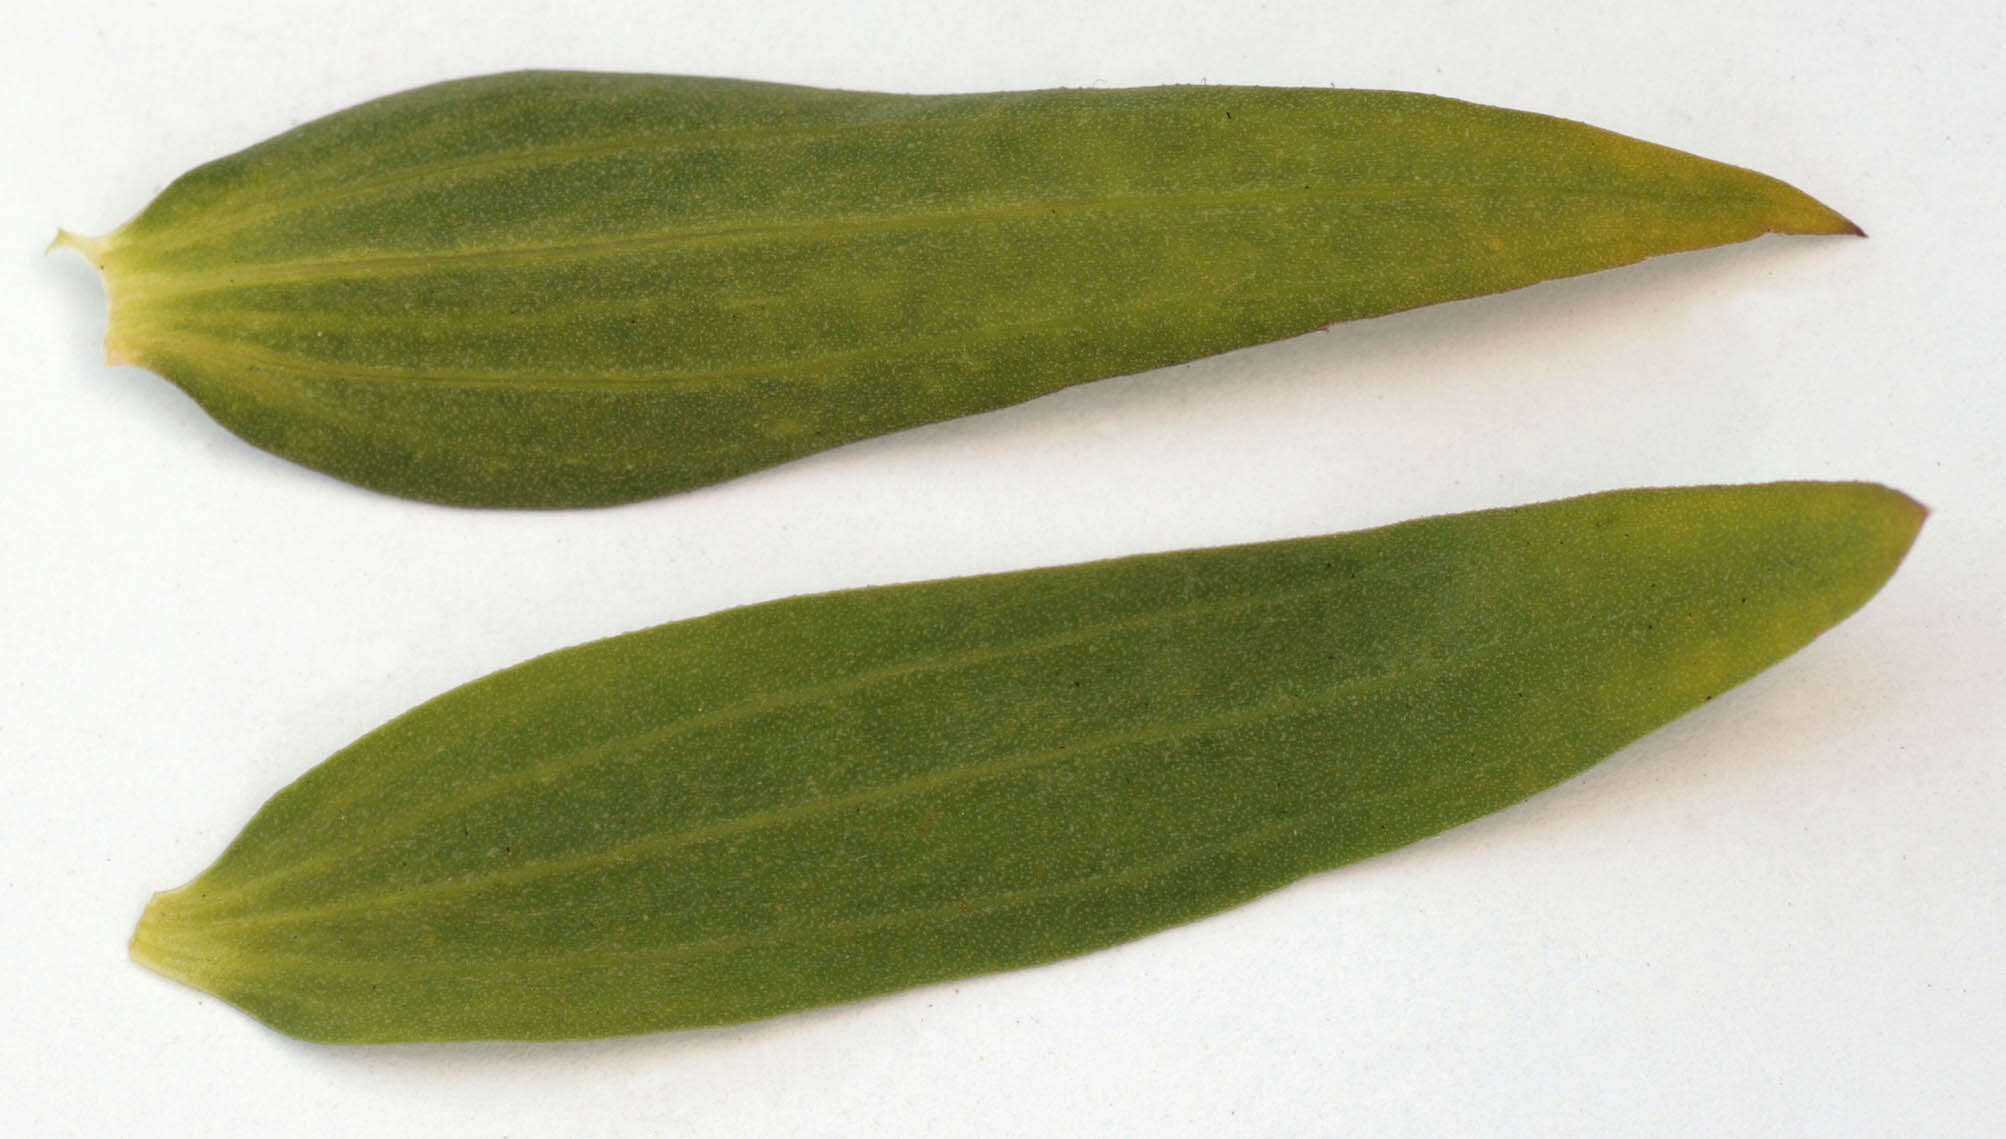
[(172, 946), (98, 251), (153, 944), (92, 248)]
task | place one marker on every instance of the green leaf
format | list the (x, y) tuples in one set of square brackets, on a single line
[(823, 798), (550, 289)]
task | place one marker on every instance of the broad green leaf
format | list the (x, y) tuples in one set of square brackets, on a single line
[(550, 289), (823, 798)]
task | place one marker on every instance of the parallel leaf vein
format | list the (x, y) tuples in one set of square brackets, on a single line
[(759, 704), (143, 285), (649, 846), (990, 903), (526, 157)]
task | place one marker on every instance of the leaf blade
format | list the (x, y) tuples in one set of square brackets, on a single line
[(892, 786), (564, 289)]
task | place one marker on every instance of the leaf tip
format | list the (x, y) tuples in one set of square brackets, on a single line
[(1905, 515), (1913, 508), (1890, 522), (1902, 514), (1800, 213)]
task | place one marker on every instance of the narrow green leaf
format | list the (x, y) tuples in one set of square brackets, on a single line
[(562, 289), (823, 798)]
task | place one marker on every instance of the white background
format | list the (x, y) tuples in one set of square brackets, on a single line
[(1783, 915)]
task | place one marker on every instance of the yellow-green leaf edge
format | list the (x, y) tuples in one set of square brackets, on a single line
[(824, 798), (551, 289)]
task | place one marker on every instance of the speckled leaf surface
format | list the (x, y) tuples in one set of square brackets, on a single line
[(819, 799), (549, 289)]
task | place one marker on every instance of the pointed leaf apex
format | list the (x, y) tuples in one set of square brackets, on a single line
[(1800, 213)]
